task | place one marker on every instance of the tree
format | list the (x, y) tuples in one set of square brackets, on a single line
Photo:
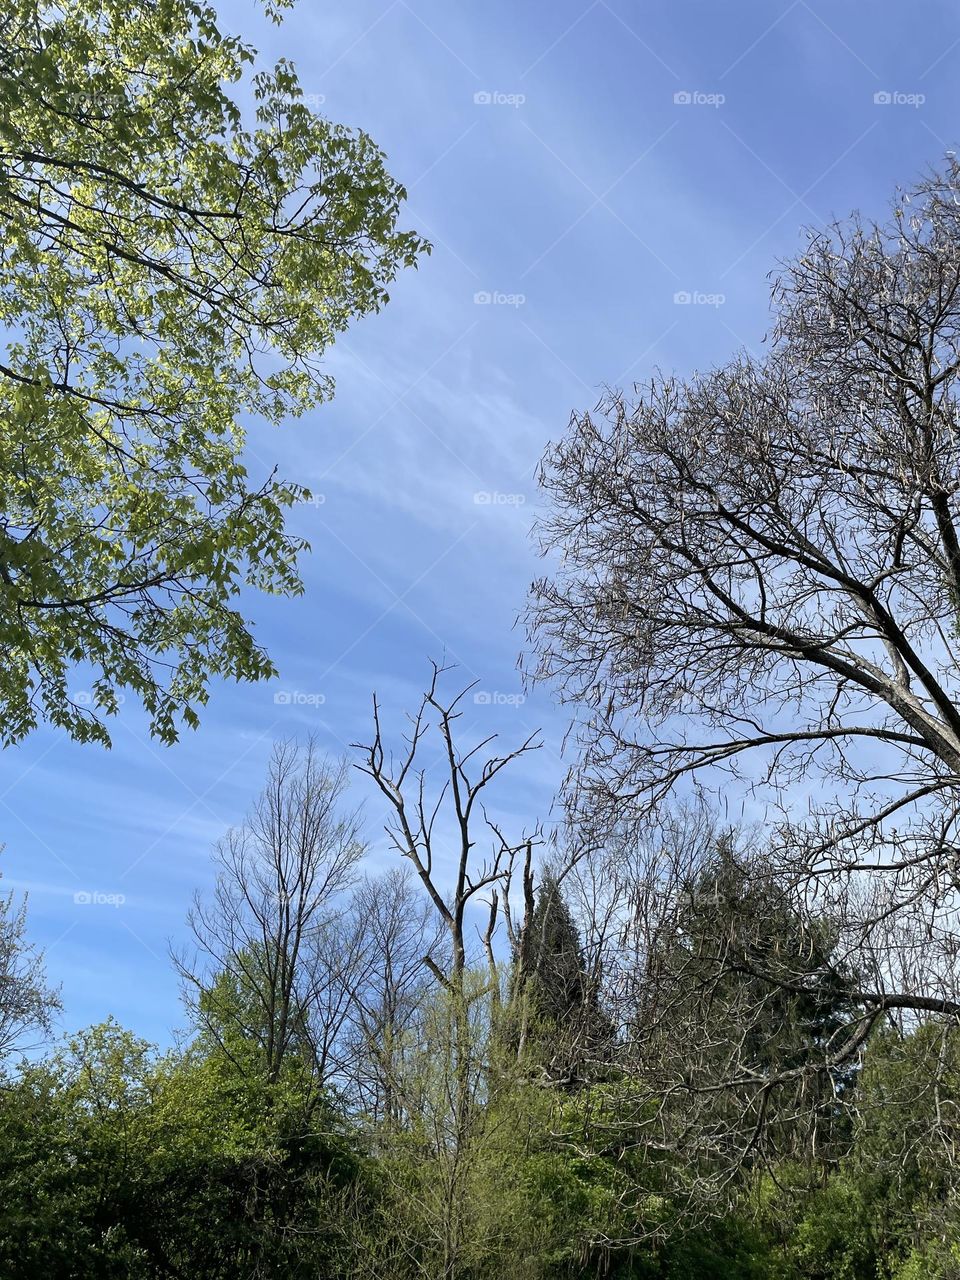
[(27, 1004), (399, 927), (172, 267), (413, 829), (267, 946), (117, 1162), (760, 578), (741, 1004), (452, 1075), (555, 991), (890, 1208)]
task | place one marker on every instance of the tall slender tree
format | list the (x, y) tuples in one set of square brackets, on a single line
[(270, 970)]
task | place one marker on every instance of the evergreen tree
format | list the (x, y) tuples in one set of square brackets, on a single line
[(742, 1007), (561, 1024)]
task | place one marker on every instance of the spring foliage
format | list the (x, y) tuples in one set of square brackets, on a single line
[(183, 241)]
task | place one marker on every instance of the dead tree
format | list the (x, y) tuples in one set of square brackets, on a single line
[(437, 831), (437, 828)]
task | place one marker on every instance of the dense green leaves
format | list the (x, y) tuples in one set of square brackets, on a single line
[(114, 1162), (175, 259)]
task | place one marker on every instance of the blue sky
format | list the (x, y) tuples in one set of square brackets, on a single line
[(570, 195)]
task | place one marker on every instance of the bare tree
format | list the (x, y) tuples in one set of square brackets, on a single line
[(425, 824), (760, 579), (271, 964), (399, 928), (335, 965), (436, 829), (27, 1004)]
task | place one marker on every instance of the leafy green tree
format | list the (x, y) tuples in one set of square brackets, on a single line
[(173, 265), (890, 1209), (904, 1159), (115, 1162)]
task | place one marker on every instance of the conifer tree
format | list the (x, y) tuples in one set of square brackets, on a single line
[(561, 1024)]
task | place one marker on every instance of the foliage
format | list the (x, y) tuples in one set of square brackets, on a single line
[(114, 1162), (172, 265), (118, 1161)]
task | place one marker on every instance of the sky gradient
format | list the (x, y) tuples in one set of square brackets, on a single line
[(607, 187)]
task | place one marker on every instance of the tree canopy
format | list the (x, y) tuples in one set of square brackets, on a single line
[(183, 240)]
